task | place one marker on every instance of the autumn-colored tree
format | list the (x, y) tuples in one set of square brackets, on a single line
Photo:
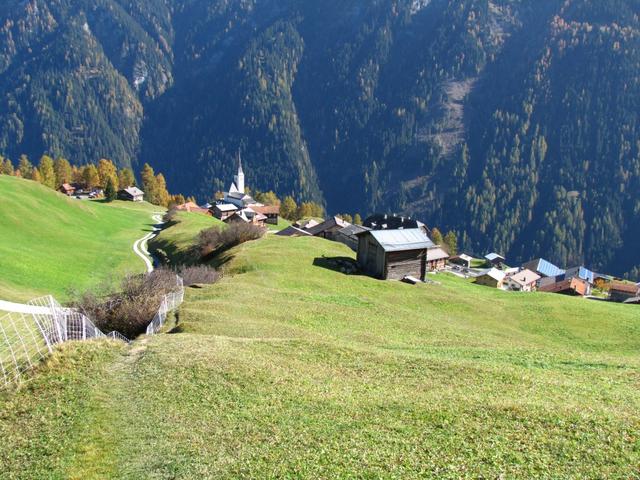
[(25, 167), (176, 200), (107, 170), (436, 236), (47, 172), (126, 178), (77, 174), (7, 167), (162, 195), (346, 217), (64, 172), (149, 184), (90, 176), (35, 175), (110, 190), (310, 209), (289, 208), (357, 219), (451, 242), (219, 195), (268, 198)]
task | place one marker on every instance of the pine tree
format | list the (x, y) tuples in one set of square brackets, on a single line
[(451, 242), (25, 167), (47, 172), (357, 219), (289, 208), (64, 172), (436, 236), (347, 218), (110, 191)]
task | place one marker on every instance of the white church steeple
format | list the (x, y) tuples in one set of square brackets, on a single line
[(239, 178)]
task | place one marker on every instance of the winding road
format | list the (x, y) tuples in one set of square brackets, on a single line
[(139, 248)]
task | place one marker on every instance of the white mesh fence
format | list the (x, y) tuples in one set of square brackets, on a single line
[(25, 339)]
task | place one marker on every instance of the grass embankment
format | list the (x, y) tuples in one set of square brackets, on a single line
[(50, 243), (288, 369), (176, 240)]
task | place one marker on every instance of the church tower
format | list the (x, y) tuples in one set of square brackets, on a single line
[(239, 178)]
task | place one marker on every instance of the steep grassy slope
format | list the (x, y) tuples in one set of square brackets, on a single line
[(50, 243), (287, 369)]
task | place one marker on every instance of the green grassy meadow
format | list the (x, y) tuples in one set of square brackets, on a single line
[(288, 369), (50, 243)]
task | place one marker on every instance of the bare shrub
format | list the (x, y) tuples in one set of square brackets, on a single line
[(214, 240), (132, 309), (199, 275), (170, 217)]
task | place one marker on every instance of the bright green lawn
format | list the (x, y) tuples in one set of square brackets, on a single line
[(50, 243), (286, 369)]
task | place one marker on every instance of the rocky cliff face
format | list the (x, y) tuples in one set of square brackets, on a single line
[(512, 121)]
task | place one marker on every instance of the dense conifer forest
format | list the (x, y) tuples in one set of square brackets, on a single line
[(512, 122)]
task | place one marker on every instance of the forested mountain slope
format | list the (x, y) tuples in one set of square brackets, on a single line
[(513, 122)]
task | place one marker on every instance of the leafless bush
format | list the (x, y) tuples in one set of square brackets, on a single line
[(171, 216), (130, 310), (201, 274), (215, 240)]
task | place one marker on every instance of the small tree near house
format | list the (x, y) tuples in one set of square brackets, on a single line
[(110, 192)]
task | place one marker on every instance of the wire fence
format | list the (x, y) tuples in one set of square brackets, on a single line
[(25, 339)]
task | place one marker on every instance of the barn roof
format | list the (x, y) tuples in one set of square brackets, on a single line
[(350, 230), (226, 207), (496, 274), (525, 277), (544, 267), (494, 256), (401, 240), (133, 191), (436, 254)]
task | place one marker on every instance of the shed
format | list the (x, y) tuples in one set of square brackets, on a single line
[(349, 236), (272, 212), (328, 228), (292, 231), (436, 259), (463, 259), (131, 194), (67, 189), (621, 291), (222, 211), (394, 254), (493, 278), (495, 259)]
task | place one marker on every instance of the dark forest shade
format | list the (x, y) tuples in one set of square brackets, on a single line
[(514, 123)]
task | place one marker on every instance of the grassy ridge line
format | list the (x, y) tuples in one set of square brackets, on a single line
[(50, 243), (287, 369)]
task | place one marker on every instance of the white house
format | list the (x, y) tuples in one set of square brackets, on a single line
[(524, 281)]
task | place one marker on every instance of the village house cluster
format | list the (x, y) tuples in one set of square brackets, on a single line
[(391, 247), (543, 276)]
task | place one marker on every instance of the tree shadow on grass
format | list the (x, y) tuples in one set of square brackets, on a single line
[(344, 265)]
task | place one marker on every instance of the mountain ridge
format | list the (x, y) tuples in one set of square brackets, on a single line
[(513, 122)]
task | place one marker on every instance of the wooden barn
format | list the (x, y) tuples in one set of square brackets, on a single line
[(394, 254)]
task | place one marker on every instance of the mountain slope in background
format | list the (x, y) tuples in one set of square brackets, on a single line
[(514, 122)]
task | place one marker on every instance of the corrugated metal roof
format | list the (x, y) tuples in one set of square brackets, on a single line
[(399, 240), (544, 267), (493, 256)]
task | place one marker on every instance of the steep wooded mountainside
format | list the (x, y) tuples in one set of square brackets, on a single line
[(514, 122)]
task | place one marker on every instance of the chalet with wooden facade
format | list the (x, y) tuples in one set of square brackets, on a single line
[(495, 259), (131, 194), (349, 236), (394, 254), (436, 259), (571, 286), (524, 281), (328, 228), (621, 292), (494, 278)]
